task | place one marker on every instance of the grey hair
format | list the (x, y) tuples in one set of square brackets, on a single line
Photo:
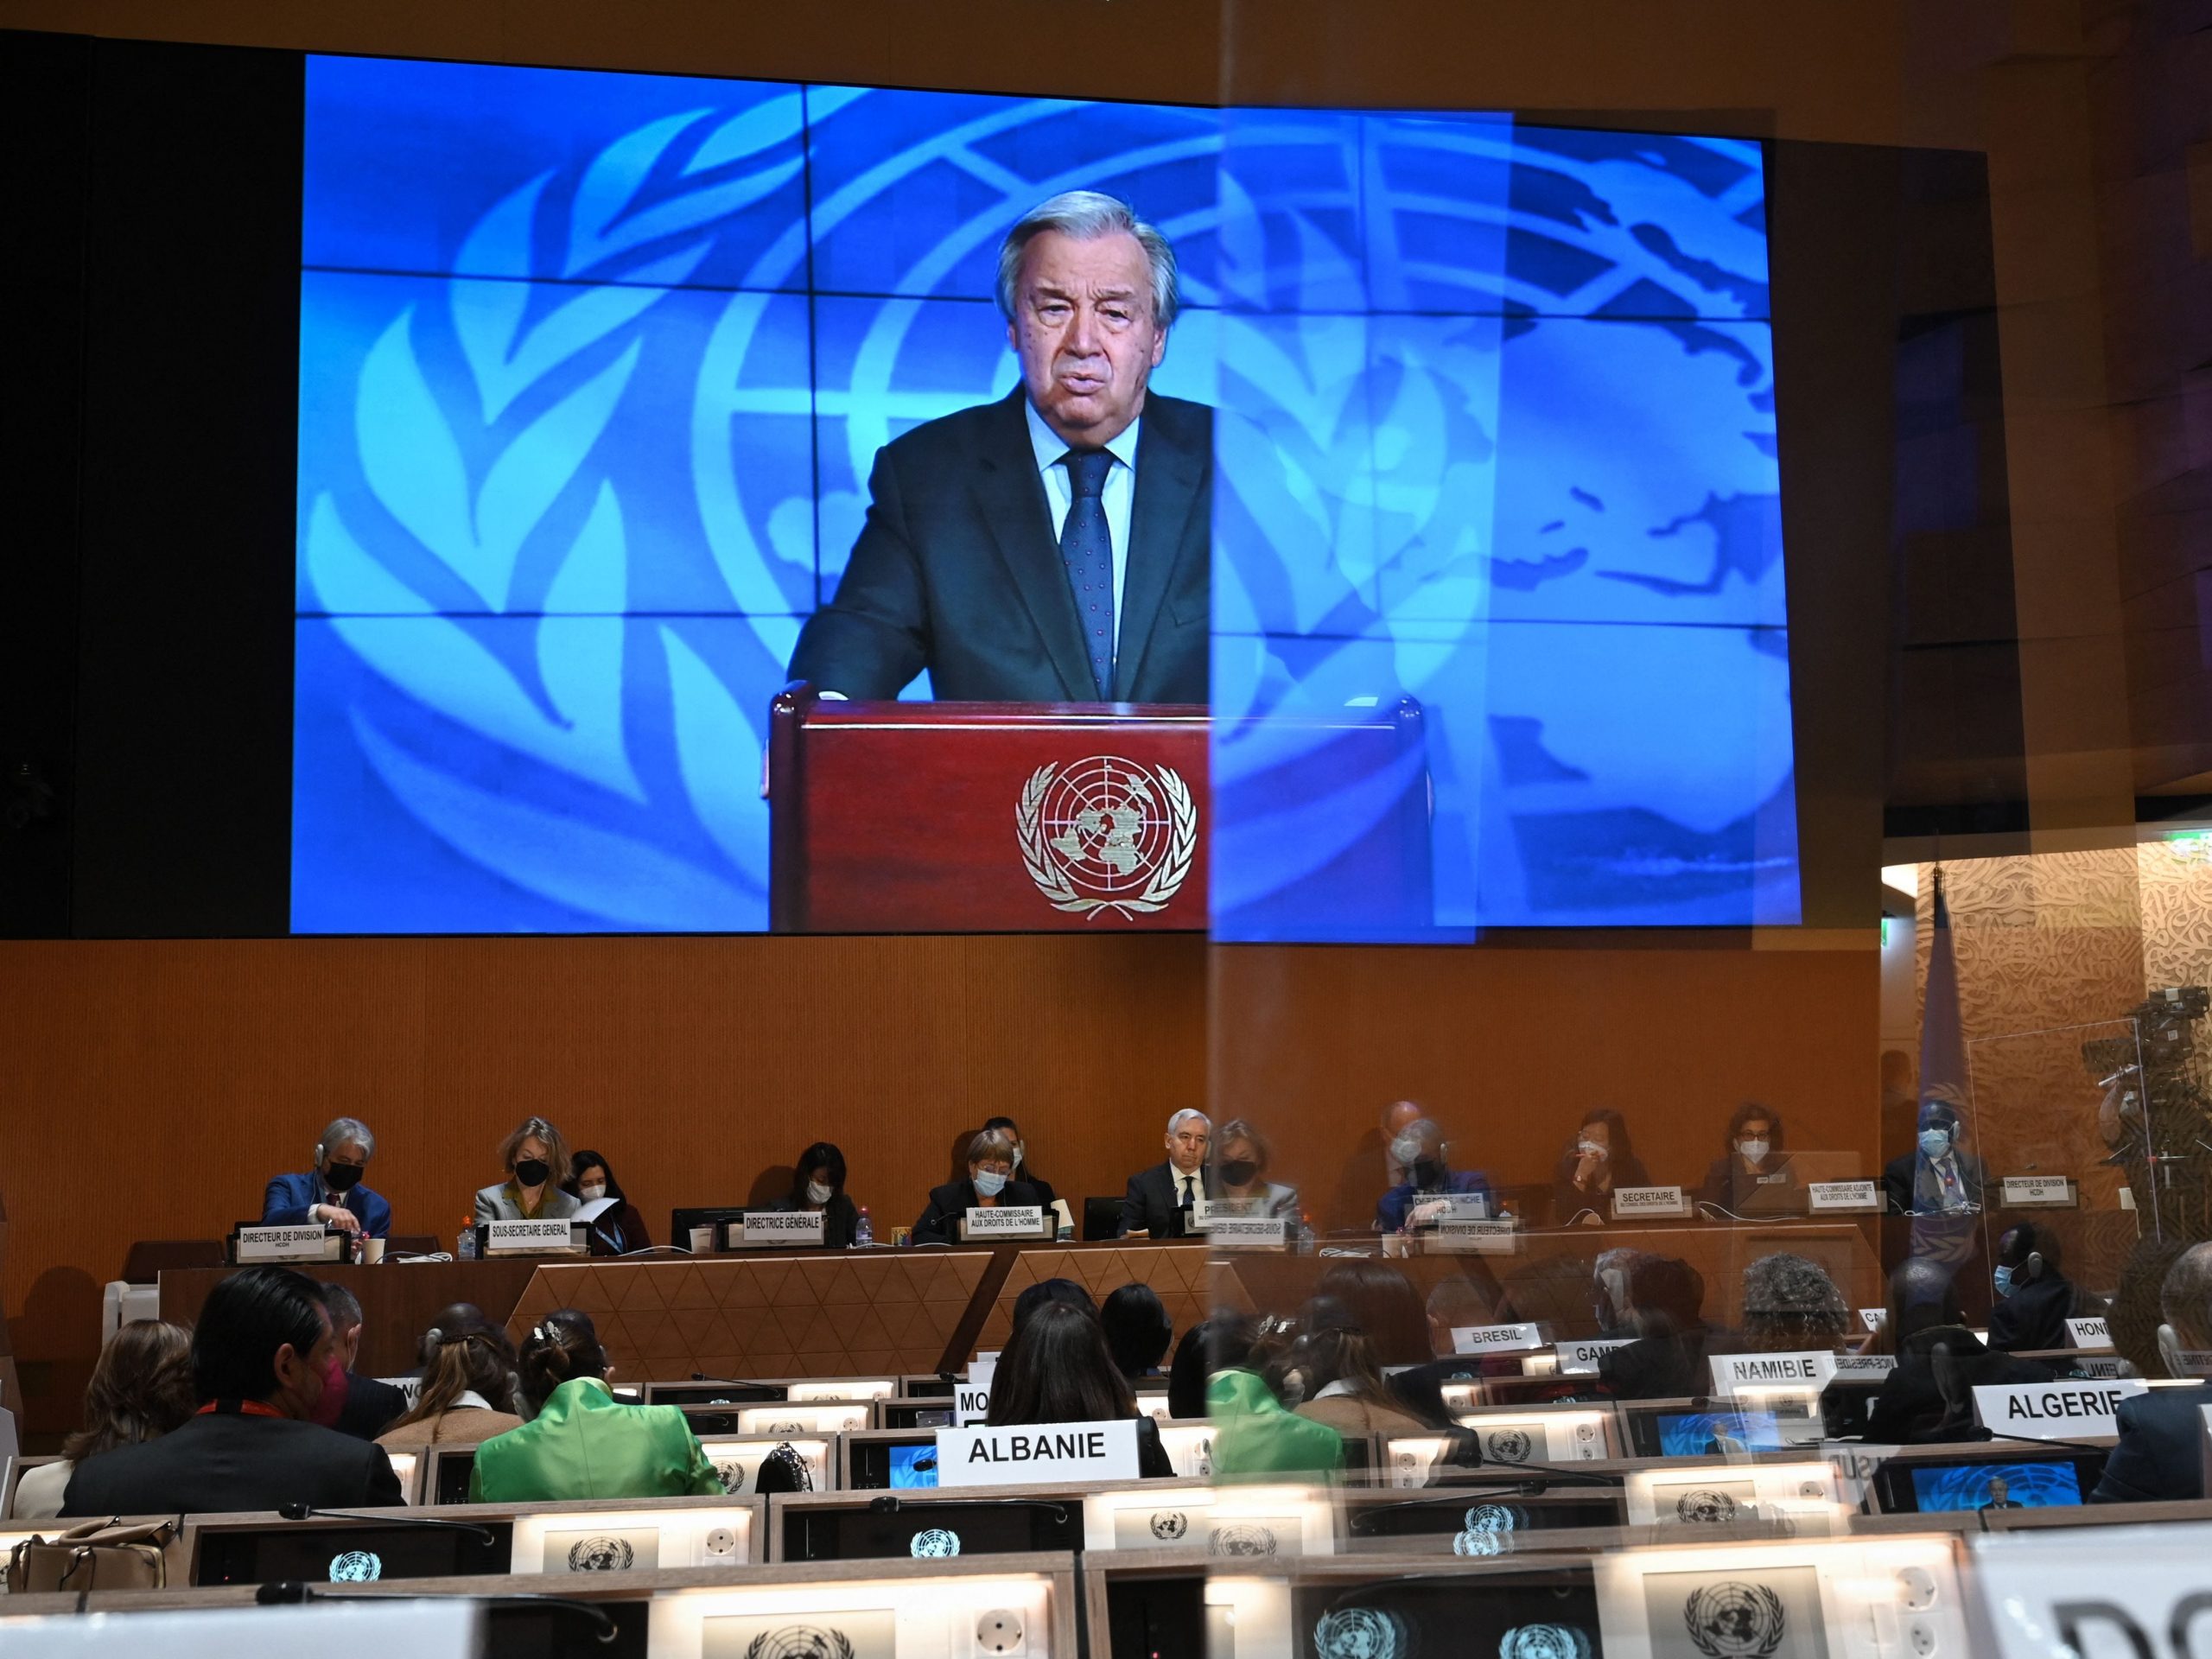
[(342, 1304), (2185, 1298), (1189, 1112), (1086, 215), (1783, 1283), (337, 1132)]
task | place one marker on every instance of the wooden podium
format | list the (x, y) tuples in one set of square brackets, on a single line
[(986, 818)]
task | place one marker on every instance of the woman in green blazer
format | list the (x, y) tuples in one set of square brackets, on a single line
[(584, 1443)]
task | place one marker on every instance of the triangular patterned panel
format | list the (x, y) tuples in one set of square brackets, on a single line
[(581, 1289), (823, 1333), (735, 1285), (843, 1288), (774, 1278), (690, 1290), (644, 1288)]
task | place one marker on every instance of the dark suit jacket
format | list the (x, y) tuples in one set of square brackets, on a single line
[(228, 1461), (1155, 1200), (940, 1223), (840, 1220), (1898, 1174), (958, 571), (285, 1204), (2160, 1454), (2033, 1317), (1910, 1409), (371, 1406)]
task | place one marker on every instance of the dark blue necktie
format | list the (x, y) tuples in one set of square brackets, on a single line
[(1087, 548)]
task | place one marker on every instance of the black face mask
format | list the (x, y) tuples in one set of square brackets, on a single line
[(1428, 1174), (531, 1172), (343, 1178), (1239, 1171)]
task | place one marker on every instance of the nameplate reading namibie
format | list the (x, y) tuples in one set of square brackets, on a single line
[(1004, 1221), (1830, 1196), (774, 1228), (522, 1238), (1630, 1203), (1495, 1338), (2089, 1333), (1808, 1369), (2054, 1411), (1037, 1452), (311, 1243), (1580, 1358), (1248, 1232), (2054, 1190)]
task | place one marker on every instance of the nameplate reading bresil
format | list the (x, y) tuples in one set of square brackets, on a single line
[(1580, 1358), (1828, 1197), (309, 1244), (527, 1238), (1495, 1338), (1809, 1368), (796, 1229), (2054, 1411), (2089, 1333), (1037, 1452), (1634, 1203), (2052, 1192), (1004, 1221)]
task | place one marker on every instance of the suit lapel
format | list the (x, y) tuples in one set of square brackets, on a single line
[(1012, 499), (1169, 470)]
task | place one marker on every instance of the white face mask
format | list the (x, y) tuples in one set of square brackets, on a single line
[(592, 1194), (1754, 1151), (817, 1194), (1590, 1149), (989, 1183), (1021, 1151), (1405, 1149)]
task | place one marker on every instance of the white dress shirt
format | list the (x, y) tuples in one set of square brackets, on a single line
[(1118, 498)]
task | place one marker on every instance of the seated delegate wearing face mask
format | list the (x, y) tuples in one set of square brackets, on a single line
[(989, 1184), (1752, 1177), (818, 1182), (1022, 1171), (332, 1192), (1422, 1154), (1938, 1177)]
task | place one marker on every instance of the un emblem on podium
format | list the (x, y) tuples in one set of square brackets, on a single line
[(1107, 834)]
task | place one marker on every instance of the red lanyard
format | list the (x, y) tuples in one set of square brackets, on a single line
[(244, 1407)]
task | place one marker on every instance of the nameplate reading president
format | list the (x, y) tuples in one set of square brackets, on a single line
[(1053, 546)]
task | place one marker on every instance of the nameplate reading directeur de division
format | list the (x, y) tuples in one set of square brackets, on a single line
[(309, 1244)]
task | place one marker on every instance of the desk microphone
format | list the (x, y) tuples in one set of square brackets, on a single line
[(292, 1593), (891, 1503), (302, 1512)]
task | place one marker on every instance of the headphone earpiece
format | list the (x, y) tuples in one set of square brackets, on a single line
[(2034, 1264)]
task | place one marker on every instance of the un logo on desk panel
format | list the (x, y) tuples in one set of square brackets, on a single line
[(1508, 1446), (1731, 1620), (1544, 1641), (1706, 1508), (1361, 1633), (600, 1555), (1106, 834), (800, 1642)]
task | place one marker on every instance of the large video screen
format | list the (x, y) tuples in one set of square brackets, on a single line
[(595, 369)]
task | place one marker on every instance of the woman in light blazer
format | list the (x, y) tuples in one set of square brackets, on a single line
[(536, 1161), (1241, 1170)]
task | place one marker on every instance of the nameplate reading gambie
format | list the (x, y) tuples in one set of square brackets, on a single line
[(1495, 1338), (2054, 1411), (1630, 1203), (1580, 1358), (797, 1229), (1809, 1368), (1004, 1221), (527, 1238), (2089, 1333), (1248, 1232), (1828, 1196), (311, 1243), (2054, 1190), (1037, 1452)]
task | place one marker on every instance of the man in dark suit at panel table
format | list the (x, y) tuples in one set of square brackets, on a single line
[(1160, 1200), (261, 1355), (1053, 546), (2160, 1454)]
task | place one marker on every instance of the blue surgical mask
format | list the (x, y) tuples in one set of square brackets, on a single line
[(1934, 1143), (989, 1183), (2003, 1278)]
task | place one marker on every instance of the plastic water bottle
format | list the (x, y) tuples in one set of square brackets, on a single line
[(465, 1249), (864, 1234)]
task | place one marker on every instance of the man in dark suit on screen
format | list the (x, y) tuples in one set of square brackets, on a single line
[(1053, 546)]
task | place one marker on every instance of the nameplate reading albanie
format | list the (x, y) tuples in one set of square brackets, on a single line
[(1496, 1339), (778, 1228), (2054, 1411), (1809, 1368), (1459, 1238), (1829, 1198), (527, 1238), (311, 1243), (1248, 1232), (1638, 1203), (1037, 1452), (2052, 1192), (2089, 1333), (1004, 1221), (1580, 1358)]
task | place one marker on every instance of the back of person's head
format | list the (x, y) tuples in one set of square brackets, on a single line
[(580, 1161), (473, 1357), (2136, 1312), (141, 1390), (1459, 1301), (1610, 1301), (344, 1308), (1790, 1303), (2031, 1250), (2185, 1339), (452, 1317), (1333, 1348), (1047, 1291), (560, 1348), (1057, 1368), (1386, 1305), (1668, 1295), (1220, 1343), (247, 1325), (1137, 1329), (1924, 1294)]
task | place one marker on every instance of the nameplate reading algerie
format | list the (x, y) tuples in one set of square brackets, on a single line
[(2054, 1411), (1038, 1452)]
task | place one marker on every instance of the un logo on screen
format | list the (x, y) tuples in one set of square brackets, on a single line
[(1361, 1633), (934, 1543), (1544, 1641), (1731, 1620), (1107, 835), (356, 1567)]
